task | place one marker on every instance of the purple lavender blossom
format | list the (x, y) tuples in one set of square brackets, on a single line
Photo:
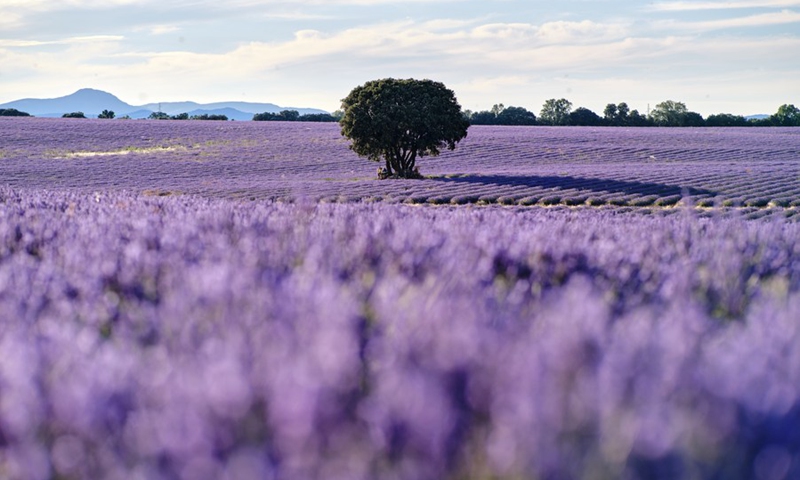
[(193, 337), (751, 170)]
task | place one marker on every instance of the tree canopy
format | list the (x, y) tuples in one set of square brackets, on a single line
[(13, 112), (293, 116), (501, 115), (669, 113), (159, 116), (584, 116), (787, 116), (555, 112), (399, 120)]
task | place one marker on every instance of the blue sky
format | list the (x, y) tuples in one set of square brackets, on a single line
[(739, 57)]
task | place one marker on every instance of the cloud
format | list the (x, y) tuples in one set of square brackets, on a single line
[(9, 19), (509, 49), (93, 39), (162, 29), (579, 32), (760, 20), (693, 6), (515, 63)]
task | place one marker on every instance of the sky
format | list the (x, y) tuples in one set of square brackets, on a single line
[(740, 57)]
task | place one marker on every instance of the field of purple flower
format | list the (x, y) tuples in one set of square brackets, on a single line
[(755, 169), (148, 334)]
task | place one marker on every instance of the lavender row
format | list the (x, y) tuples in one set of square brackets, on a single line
[(724, 167), (188, 337)]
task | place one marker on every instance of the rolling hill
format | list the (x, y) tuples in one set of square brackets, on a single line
[(91, 102)]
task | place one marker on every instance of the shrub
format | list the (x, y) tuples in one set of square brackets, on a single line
[(13, 112)]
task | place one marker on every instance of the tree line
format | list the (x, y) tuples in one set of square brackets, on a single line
[(13, 112), (668, 113), (109, 114), (184, 116), (294, 116)]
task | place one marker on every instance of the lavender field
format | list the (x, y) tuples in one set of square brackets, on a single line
[(755, 170), (202, 300)]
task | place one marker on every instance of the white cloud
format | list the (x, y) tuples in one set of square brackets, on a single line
[(9, 19), (585, 31), (485, 63), (94, 39), (162, 29), (692, 6), (760, 20)]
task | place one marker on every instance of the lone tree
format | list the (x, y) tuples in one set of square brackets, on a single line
[(398, 121)]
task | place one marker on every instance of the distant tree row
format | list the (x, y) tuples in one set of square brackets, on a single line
[(501, 115), (185, 116), (294, 116), (13, 112), (668, 113), (665, 114), (108, 114)]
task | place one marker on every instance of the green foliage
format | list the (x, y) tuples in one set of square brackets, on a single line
[(584, 117), (207, 116), (617, 115), (396, 121), (484, 117), (317, 117), (516, 116), (555, 112), (73, 115), (107, 114), (726, 120), (760, 122), (636, 119), (787, 116), (668, 113), (693, 119), (294, 116), (500, 115), (180, 116), (158, 116), (290, 115), (13, 112)]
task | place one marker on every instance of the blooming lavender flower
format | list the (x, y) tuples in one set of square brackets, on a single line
[(752, 171), (191, 337)]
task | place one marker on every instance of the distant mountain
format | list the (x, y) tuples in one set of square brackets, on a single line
[(757, 117), (174, 108), (89, 101), (92, 102)]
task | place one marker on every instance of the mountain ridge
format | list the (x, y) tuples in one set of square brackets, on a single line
[(92, 102)]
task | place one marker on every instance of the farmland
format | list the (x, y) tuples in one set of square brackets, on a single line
[(753, 169), (243, 300)]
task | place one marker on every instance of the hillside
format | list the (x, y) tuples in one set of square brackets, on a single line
[(91, 102)]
